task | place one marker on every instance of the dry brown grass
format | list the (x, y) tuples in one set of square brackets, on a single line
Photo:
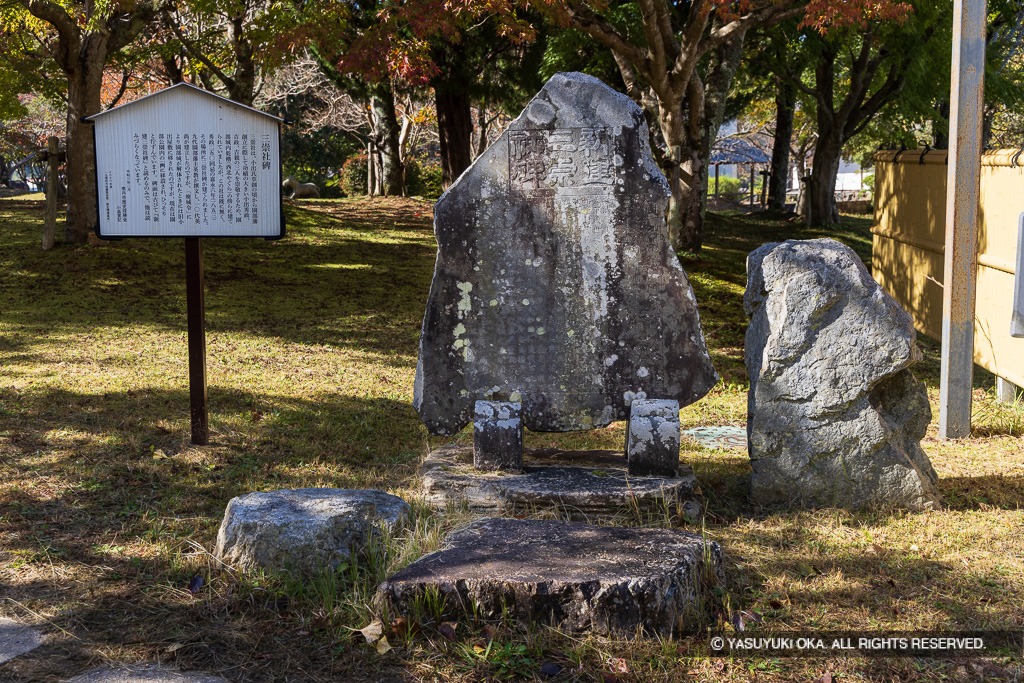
[(106, 510)]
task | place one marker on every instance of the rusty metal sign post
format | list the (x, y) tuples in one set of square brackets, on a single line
[(963, 200)]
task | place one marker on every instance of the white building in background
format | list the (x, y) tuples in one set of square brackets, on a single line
[(849, 179)]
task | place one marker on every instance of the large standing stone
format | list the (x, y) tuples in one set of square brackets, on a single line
[(303, 529), (578, 577), (835, 415), (555, 283)]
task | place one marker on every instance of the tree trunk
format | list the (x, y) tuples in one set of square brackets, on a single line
[(84, 84), (824, 171), (454, 130), (482, 126), (52, 183), (705, 107), (940, 126), (387, 136), (785, 108), (242, 84)]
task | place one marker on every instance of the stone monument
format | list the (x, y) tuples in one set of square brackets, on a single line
[(835, 415), (557, 301)]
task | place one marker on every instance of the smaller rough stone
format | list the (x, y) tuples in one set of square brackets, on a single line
[(17, 639), (835, 415), (578, 577), (652, 441), (151, 673), (303, 529), (498, 436)]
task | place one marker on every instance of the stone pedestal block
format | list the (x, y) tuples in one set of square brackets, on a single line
[(303, 529), (498, 436), (578, 577), (652, 441)]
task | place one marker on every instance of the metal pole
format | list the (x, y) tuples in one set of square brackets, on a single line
[(962, 215), (196, 339)]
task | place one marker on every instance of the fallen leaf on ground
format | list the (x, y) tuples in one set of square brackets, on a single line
[(373, 632), (823, 678), (382, 646), (447, 629), (618, 665)]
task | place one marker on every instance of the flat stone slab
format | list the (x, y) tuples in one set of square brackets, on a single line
[(303, 529), (582, 484), (16, 639), (724, 438), (578, 577), (555, 283), (151, 673)]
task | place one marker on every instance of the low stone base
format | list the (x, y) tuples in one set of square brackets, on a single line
[(579, 484), (607, 580)]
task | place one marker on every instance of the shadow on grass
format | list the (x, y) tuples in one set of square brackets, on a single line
[(342, 283), (123, 456)]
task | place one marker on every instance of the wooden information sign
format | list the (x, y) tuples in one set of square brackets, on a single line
[(184, 162)]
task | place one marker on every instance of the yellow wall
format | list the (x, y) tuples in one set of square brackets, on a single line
[(909, 239)]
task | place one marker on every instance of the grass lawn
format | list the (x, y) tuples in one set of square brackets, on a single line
[(107, 511)]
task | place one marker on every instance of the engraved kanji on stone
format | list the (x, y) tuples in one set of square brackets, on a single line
[(598, 161), (528, 160), (563, 169)]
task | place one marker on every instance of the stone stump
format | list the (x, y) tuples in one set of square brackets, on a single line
[(303, 530), (652, 438), (498, 436), (578, 577)]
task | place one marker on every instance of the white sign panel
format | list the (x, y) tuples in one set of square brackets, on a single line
[(186, 163)]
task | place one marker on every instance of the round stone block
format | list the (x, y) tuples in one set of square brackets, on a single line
[(577, 577), (303, 529)]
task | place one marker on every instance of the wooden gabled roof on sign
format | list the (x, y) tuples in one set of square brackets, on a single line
[(207, 93)]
